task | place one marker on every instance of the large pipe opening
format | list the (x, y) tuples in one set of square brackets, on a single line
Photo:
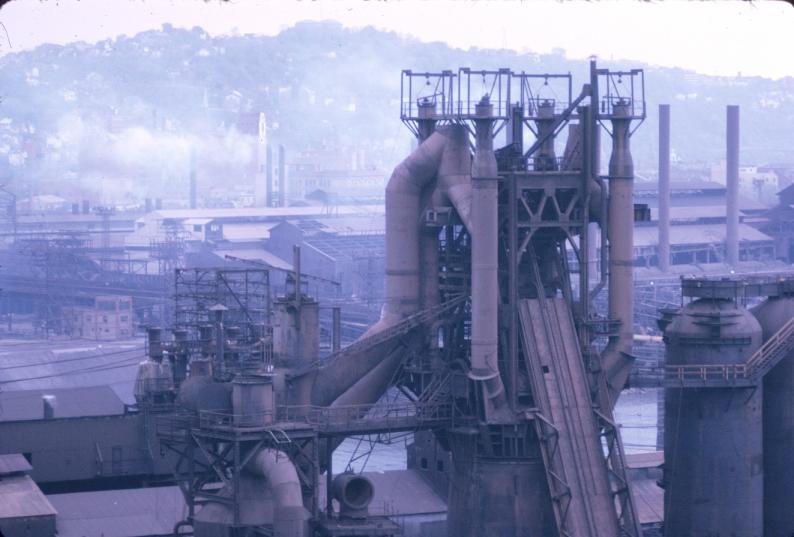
[(354, 494)]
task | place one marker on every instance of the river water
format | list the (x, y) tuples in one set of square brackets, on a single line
[(635, 413)]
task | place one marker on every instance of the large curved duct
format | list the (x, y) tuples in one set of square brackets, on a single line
[(403, 229), (290, 517), (268, 494), (617, 359), (443, 155)]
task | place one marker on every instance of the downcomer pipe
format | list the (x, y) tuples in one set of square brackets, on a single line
[(732, 185), (444, 154), (290, 517), (403, 228), (664, 187), (617, 359), (484, 259)]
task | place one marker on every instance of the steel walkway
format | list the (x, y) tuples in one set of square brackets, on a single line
[(748, 374)]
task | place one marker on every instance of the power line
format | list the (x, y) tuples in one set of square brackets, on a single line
[(77, 359), (104, 367)]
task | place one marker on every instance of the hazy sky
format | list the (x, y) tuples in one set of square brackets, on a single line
[(722, 37)]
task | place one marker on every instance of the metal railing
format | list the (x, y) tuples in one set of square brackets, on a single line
[(328, 419), (717, 375), (730, 373)]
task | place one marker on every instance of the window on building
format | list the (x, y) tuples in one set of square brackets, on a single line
[(197, 227), (440, 465), (123, 318), (423, 463)]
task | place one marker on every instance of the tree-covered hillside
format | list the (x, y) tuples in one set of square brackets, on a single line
[(132, 107)]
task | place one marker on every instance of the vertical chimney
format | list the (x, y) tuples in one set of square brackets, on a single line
[(484, 258), (732, 185), (193, 184), (282, 178), (664, 187), (269, 177), (336, 333)]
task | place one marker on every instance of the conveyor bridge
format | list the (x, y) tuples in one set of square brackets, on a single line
[(588, 487)]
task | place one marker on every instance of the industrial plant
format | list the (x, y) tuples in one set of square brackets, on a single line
[(225, 371)]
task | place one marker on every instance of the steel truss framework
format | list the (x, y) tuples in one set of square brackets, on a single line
[(544, 212)]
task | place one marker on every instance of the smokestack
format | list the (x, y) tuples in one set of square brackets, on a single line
[(282, 178), (193, 184), (732, 185), (617, 358), (336, 332), (484, 258), (269, 177), (664, 187)]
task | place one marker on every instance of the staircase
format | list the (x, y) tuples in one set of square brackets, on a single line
[(772, 351)]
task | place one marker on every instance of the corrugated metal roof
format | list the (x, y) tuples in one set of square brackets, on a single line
[(356, 225), (119, 513), (197, 221), (256, 254), (678, 186), (21, 497), (264, 212), (45, 365), (68, 403), (696, 234), (14, 463), (258, 231)]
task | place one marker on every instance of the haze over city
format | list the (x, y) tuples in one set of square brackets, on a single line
[(396, 269)]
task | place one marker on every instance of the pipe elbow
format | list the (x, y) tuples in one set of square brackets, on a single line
[(290, 517)]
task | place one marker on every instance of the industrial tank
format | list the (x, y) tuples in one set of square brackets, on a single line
[(713, 471), (778, 424)]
